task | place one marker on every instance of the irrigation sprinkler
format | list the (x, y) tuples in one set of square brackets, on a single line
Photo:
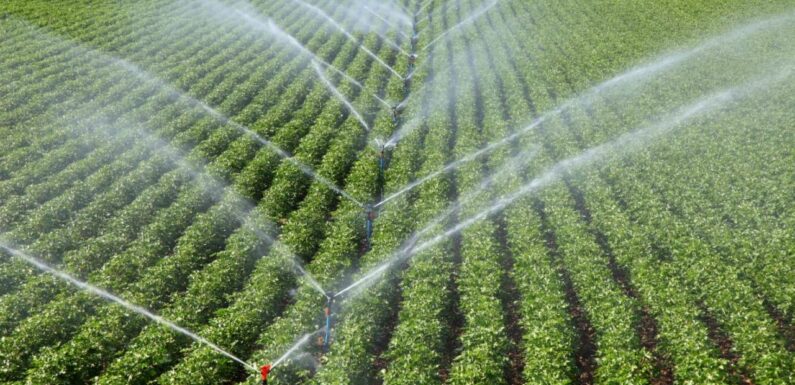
[(411, 69), (383, 148), (327, 310), (410, 73), (370, 214), (264, 371), (412, 60), (407, 82), (396, 113), (381, 160), (397, 110)]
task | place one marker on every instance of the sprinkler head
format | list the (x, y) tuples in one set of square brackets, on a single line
[(264, 371)]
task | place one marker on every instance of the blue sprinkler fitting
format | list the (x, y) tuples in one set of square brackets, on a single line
[(382, 160), (395, 114), (327, 336), (369, 212), (412, 61)]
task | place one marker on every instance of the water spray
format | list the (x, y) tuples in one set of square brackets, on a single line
[(402, 7), (389, 23), (422, 7), (340, 96), (478, 13), (123, 303), (304, 339), (397, 110), (625, 143), (312, 281), (221, 118), (347, 34), (270, 26), (274, 29)]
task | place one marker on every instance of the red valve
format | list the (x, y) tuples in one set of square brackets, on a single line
[(265, 370)]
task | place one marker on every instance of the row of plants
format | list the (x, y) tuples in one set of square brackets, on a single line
[(208, 127), (363, 332), (360, 331), (418, 350), (740, 314), (613, 315), (744, 213), (105, 333), (59, 74), (336, 157), (207, 46), (370, 330), (681, 337), (481, 343), (15, 207), (611, 345), (128, 96), (119, 232), (251, 310), (698, 264), (548, 339), (338, 249), (697, 196), (336, 254), (692, 352), (687, 357), (88, 190), (67, 310), (144, 39)]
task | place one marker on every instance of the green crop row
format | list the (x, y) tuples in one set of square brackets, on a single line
[(155, 339), (417, 347), (698, 264), (310, 147), (67, 311), (81, 193), (335, 255), (221, 161)]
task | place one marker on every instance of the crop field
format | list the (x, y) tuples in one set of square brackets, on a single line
[(550, 192)]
